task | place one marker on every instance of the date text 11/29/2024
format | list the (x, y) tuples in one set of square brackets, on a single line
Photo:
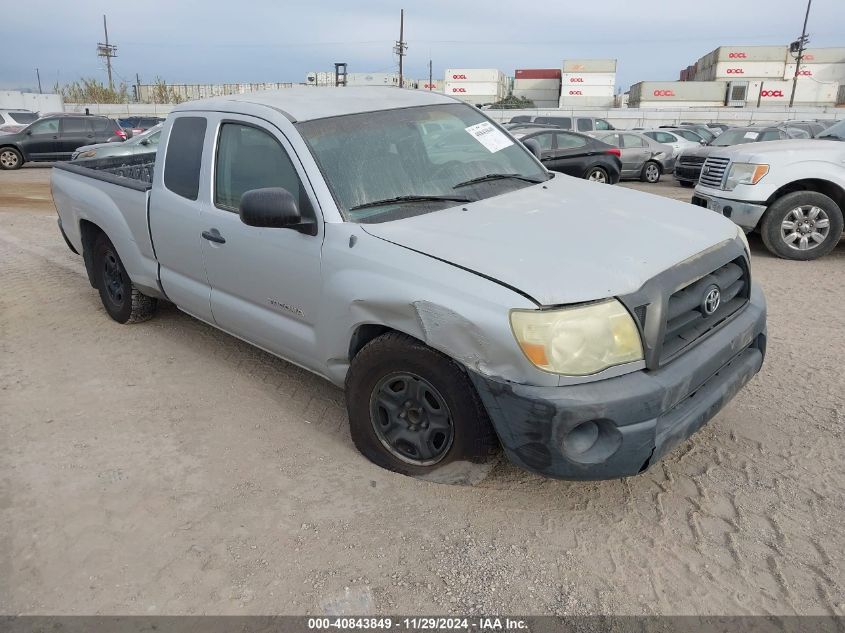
[(417, 624)]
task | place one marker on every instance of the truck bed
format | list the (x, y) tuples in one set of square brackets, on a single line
[(134, 171)]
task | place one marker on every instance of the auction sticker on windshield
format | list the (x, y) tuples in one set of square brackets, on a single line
[(489, 136), (751, 135)]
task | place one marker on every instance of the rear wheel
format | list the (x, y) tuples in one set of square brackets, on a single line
[(597, 174), (10, 158), (651, 172), (413, 410), (802, 225), (121, 299)]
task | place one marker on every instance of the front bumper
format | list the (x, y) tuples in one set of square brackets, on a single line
[(637, 417), (744, 214), (687, 173)]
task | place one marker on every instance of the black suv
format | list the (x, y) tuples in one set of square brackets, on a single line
[(55, 137)]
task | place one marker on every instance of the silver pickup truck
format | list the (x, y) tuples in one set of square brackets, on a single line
[(404, 246)]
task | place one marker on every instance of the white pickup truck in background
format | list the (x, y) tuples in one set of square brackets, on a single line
[(793, 192)]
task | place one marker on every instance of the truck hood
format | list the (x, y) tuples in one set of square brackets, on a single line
[(784, 152), (566, 241), (699, 150)]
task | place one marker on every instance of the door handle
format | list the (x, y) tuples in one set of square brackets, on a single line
[(213, 235)]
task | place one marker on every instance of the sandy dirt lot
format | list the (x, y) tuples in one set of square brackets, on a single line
[(167, 468)]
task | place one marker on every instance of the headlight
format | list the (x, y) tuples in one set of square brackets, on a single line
[(745, 174), (741, 234), (87, 154), (578, 341)]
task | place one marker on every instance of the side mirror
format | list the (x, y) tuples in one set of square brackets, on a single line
[(702, 142), (533, 147), (144, 141), (275, 208)]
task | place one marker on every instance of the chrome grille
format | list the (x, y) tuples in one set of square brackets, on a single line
[(713, 172), (691, 160), (686, 318)]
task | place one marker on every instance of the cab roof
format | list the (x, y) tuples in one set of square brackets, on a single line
[(304, 103)]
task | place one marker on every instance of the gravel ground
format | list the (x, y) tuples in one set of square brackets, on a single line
[(167, 468)]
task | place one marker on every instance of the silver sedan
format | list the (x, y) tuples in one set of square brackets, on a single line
[(642, 157)]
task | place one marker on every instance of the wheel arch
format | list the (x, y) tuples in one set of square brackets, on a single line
[(89, 233), (818, 185)]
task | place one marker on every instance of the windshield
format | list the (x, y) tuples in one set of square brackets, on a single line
[(375, 157), (836, 131), (736, 137), (23, 118)]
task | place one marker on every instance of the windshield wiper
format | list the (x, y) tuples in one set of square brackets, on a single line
[(833, 137), (488, 177), (401, 199)]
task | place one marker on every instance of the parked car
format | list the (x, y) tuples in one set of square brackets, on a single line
[(677, 142), (642, 157), (573, 154), (54, 137), (16, 120), (793, 192), (685, 133), (721, 127), (461, 295), (835, 132), (702, 130), (577, 123), (812, 128), (144, 142), (138, 124), (690, 162)]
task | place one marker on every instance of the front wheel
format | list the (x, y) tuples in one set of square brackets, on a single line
[(597, 174), (651, 172), (121, 299), (802, 225), (10, 158), (413, 410)]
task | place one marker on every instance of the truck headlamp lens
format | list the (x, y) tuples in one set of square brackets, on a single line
[(578, 341), (745, 174)]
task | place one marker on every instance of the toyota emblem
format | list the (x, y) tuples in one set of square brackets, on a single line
[(712, 300)]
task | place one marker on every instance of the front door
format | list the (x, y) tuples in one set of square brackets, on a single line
[(42, 140), (265, 282)]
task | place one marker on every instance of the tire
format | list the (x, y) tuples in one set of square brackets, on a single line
[(121, 299), (598, 174), (10, 158), (802, 225), (389, 433), (651, 172), (687, 184)]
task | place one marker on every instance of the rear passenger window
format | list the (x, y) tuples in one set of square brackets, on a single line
[(250, 158), (74, 125), (184, 156)]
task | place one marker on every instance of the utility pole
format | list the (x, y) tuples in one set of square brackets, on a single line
[(400, 47), (38, 75), (108, 51), (429, 75), (800, 47)]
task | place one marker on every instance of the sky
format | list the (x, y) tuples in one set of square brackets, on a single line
[(221, 41)]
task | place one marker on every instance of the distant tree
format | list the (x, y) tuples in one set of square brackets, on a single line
[(162, 93), (90, 90), (514, 103)]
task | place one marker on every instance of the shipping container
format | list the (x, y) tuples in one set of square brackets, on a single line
[(372, 79), (577, 90), (823, 55), (537, 95), (745, 70), (588, 79), (586, 102), (537, 73), (436, 85), (692, 91), (589, 65), (654, 104), (474, 75), (458, 88), (536, 84), (743, 53), (807, 92), (819, 72), (553, 103)]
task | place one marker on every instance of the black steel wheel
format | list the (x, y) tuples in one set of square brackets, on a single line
[(121, 299), (411, 418), (413, 409)]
